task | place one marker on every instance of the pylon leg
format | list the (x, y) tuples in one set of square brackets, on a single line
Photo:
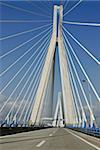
[(37, 108)]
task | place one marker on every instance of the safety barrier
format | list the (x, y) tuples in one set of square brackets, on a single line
[(14, 130), (90, 131)]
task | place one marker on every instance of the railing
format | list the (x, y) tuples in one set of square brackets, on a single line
[(90, 131)]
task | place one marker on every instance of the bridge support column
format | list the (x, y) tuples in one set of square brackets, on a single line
[(37, 108), (68, 104)]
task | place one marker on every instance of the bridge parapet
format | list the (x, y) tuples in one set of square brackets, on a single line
[(90, 131)]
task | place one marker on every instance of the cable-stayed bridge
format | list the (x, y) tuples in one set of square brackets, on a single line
[(47, 84)]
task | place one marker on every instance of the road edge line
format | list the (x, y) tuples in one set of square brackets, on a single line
[(82, 139)]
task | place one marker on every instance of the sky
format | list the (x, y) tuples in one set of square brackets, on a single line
[(41, 13)]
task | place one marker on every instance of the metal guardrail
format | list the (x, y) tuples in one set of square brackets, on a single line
[(90, 131)]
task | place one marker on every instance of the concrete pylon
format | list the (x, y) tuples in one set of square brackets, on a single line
[(48, 99), (68, 104), (37, 108)]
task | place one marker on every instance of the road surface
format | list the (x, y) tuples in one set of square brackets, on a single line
[(49, 139)]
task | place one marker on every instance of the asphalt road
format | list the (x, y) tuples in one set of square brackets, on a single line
[(49, 139)]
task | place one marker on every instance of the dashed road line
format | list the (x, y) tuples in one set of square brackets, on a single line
[(41, 143), (55, 131), (50, 134)]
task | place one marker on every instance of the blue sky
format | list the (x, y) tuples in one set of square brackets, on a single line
[(87, 11)]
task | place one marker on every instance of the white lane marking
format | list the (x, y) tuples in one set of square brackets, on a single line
[(96, 147), (40, 144), (55, 131), (50, 134)]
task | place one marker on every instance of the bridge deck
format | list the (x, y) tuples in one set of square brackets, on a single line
[(50, 139)]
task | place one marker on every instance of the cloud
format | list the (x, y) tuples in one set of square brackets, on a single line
[(8, 106)]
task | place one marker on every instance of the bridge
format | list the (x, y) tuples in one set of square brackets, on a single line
[(49, 82)]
